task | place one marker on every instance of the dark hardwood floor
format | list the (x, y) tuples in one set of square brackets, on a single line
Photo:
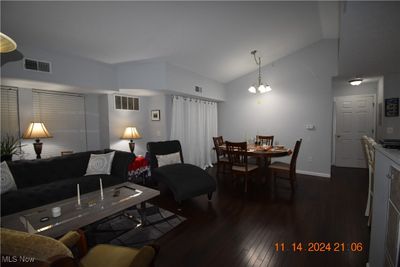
[(235, 229)]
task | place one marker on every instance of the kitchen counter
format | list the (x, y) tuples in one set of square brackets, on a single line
[(393, 154)]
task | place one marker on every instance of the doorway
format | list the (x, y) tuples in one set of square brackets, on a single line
[(354, 117)]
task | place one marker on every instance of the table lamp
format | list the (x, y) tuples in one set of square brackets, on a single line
[(131, 133), (37, 130)]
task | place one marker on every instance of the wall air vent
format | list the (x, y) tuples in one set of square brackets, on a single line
[(126, 102), (198, 89), (37, 65)]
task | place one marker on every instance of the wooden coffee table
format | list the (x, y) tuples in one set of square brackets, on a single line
[(73, 216)]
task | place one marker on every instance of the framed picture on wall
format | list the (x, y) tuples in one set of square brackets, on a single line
[(155, 115), (392, 107)]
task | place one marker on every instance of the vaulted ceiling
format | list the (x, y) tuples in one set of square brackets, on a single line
[(213, 39), (369, 38)]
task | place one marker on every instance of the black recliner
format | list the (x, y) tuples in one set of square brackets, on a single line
[(183, 180)]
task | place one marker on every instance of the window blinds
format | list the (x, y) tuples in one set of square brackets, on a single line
[(64, 117), (9, 112)]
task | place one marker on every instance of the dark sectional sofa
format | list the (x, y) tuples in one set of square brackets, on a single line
[(44, 181)]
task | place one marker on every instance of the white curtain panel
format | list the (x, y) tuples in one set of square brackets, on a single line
[(194, 123)]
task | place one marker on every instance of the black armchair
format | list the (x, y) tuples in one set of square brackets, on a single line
[(184, 180)]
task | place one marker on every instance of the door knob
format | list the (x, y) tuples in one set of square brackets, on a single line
[(338, 135)]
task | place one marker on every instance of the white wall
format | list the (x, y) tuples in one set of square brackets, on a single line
[(184, 81), (92, 118), (343, 88), (67, 70), (120, 119), (104, 122), (158, 130), (302, 94), (133, 75)]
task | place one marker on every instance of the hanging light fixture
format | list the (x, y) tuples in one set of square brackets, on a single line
[(260, 87), (356, 81)]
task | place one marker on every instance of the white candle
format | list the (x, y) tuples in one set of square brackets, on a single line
[(101, 189), (79, 194)]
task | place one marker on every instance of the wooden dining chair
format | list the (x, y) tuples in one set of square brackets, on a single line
[(237, 155), (265, 140), (284, 170), (222, 159)]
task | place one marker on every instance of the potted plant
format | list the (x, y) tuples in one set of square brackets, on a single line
[(10, 145)]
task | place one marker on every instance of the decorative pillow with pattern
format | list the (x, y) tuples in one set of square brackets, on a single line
[(100, 163), (168, 159), (7, 179)]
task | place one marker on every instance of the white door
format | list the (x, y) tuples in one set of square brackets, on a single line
[(354, 118)]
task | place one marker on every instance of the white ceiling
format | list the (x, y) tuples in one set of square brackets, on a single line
[(369, 38), (213, 39)]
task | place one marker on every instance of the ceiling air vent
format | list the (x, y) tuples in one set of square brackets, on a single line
[(36, 65)]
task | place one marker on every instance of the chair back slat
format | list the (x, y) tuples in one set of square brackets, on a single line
[(293, 161), (218, 141), (237, 153), (265, 140)]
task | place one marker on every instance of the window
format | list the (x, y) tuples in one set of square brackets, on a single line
[(126, 102), (64, 117), (9, 112)]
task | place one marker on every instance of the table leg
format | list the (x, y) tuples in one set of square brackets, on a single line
[(143, 212)]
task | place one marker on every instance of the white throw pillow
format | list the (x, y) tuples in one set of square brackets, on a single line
[(168, 159), (100, 163), (7, 180)]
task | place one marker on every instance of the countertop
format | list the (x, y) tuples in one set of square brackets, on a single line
[(393, 154)]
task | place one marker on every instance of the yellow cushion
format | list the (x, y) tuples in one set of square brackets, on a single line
[(40, 247), (70, 239), (109, 255)]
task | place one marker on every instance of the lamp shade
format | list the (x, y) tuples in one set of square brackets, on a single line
[(36, 130), (252, 89), (131, 133), (6, 44)]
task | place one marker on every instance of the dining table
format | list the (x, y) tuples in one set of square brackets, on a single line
[(264, 153)]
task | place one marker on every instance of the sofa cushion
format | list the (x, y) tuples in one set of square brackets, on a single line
[(27, 198), (7, 179), (163, 148), (168, 159), (185, 180), (100, 163)]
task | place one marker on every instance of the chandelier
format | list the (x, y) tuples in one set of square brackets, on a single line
[(261, 88)]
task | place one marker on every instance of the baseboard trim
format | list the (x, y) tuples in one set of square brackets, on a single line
[(319, 174)]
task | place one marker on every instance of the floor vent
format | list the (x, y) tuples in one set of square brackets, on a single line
[(36, 65)]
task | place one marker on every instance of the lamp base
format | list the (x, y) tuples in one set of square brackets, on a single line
[(38, 148), (132, 146)]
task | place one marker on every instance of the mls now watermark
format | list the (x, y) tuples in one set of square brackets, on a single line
[(22, 259)]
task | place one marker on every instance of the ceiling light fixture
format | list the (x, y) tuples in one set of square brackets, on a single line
[(356, 81), (6, 44), (261, 88)]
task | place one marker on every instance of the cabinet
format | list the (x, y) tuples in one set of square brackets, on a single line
[(384, 242)]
